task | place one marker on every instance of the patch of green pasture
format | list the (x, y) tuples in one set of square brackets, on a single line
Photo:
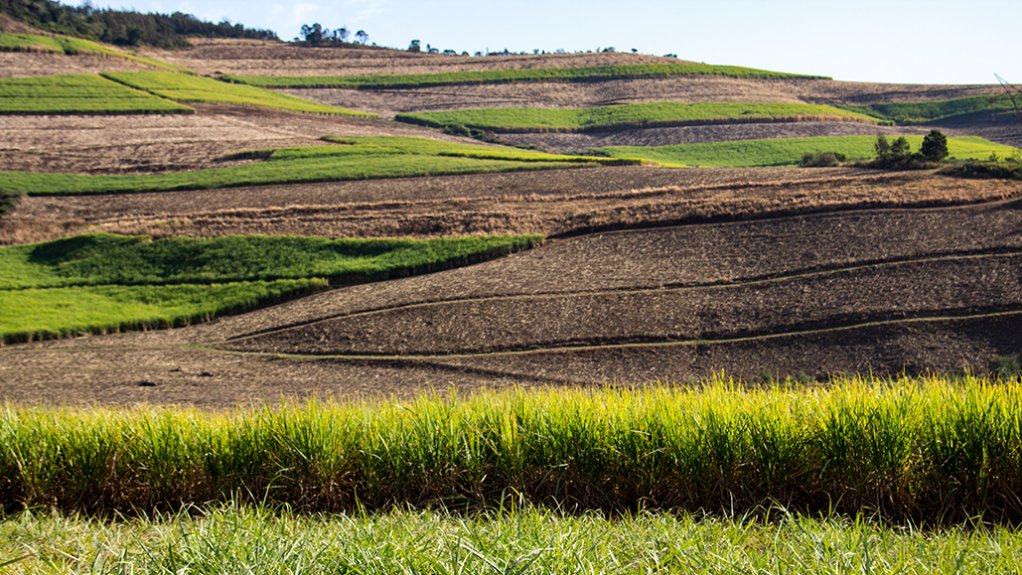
[(356, 159), (36, 42), (932, 110), (78, 93), (28, 314), (627, 115), (136, 260), (370, 145), (787, 151), (73, 46), (580, 74), (190, 88), (528, 540), (106, 282)]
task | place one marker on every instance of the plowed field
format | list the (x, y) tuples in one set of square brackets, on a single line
[(878, 289)]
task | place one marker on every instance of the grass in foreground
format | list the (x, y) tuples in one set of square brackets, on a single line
[(583, 74), (76, 94), (73, 46), (99, 283), (627, 115), (787, 151), (353, 159), (927, 449), (231, 539), (189, 88), (933, 110)]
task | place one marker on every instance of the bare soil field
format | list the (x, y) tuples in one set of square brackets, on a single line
[(158, 142), (549, 202), (51, 63), (877, 289), (388, 102)]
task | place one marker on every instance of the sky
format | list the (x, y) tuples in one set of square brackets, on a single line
[(906, 41)]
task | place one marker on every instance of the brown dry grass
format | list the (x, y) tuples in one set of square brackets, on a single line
[(152, 142), (50, 63), (259, 57), (677, 89), (12, 26), (548, 202)]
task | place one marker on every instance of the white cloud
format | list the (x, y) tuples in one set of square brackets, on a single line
[(368, 10)]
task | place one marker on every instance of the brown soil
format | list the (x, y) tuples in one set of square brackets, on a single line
[(881, 290), (547, 202)]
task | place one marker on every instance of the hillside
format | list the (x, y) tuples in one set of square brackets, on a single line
[(274, 139)]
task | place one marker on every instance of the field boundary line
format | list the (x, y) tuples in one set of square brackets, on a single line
[(625, 345)]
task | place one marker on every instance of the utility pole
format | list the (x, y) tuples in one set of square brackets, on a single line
[(1014, 94)]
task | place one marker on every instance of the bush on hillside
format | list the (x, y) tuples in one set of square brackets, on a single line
[(821, 159), (898, 154)]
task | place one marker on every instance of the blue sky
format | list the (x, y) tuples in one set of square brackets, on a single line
[(915, 41)]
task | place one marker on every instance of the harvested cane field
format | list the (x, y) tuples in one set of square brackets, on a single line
[(548, 202)]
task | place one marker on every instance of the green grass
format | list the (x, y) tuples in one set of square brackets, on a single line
[(78, 93), (929, 450), (583, 74), (189, 88), (73, 46), (30, 314), (787, 151), (98, 283), (933, 110), (354, 159), (626, 115), (236, 540)]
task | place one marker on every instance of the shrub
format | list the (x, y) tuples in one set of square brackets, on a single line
[(822, 159)]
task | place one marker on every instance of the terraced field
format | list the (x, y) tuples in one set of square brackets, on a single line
[(549, 202), (880, 290)]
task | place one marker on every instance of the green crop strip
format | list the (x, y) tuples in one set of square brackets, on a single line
[(233, 539), (787, 151), (189, 88), (627, 116), (933, 110), (350, 159), (73, 46), (97, 283), (77, 94), (583, 74), (927, 450)]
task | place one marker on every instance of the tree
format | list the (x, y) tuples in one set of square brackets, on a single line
[(362, 37), (415, 46), (313, 34), (341, 34), (882, 148), (900, 149), (934, 148)]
